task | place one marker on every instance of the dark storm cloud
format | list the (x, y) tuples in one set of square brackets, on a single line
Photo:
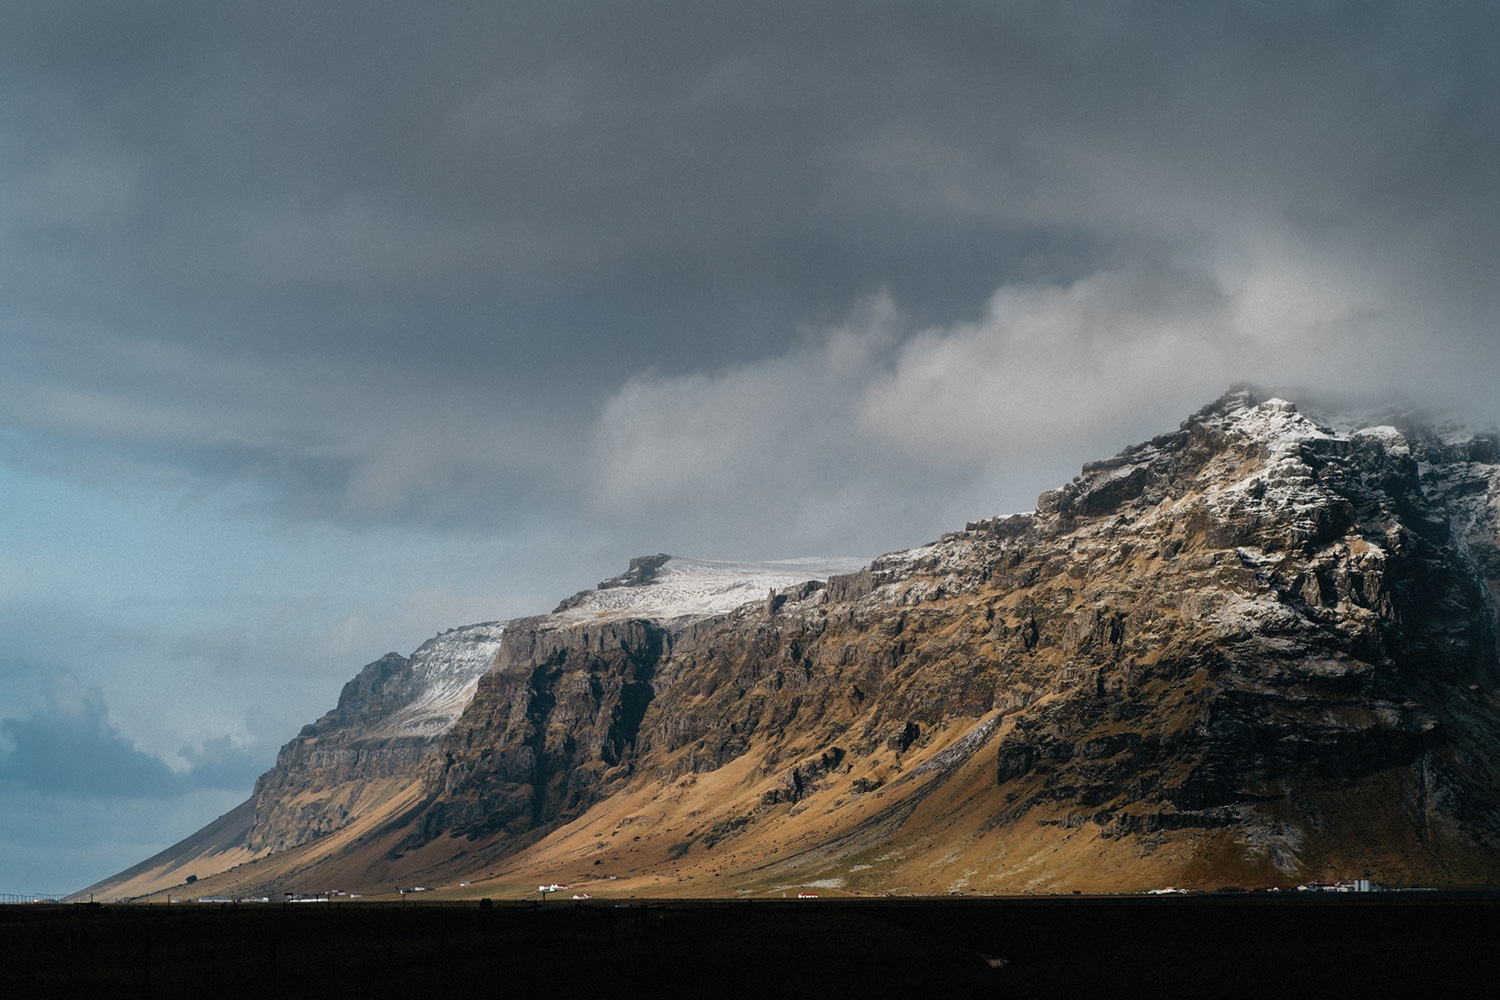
[(69, 748), (395, 260)]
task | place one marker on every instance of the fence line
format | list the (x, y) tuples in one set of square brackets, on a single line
[(31, 897)]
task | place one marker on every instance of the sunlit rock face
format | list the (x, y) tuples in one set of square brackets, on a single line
[(391, 718), (1255, 615)]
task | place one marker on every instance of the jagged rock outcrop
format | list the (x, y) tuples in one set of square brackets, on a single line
[(1251, 613)]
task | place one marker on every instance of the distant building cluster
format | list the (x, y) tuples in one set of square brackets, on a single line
[(1358, 885)]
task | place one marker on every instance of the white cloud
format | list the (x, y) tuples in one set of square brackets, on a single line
[(1042, 365), (1046, 363), (964, 419), (706, 433)]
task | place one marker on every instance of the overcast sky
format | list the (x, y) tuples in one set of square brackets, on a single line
[(325, 327)]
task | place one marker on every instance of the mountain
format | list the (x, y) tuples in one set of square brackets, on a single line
[(1261, 649)]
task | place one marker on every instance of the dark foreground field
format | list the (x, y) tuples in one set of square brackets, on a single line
[(1375, 945)]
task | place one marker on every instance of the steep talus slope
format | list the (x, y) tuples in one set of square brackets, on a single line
[(215, 848), (1255, 650)]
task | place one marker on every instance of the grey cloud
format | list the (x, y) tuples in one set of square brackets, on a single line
[(870, 434), (367, 225), (330, 443), (228, 648), (69, 748), (220, 764), (1047, 364)]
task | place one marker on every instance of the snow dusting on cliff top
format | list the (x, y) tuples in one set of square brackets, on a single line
[(442, 677), (678, 587)]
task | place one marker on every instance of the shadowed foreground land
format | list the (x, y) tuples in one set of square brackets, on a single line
[(1391, 945)]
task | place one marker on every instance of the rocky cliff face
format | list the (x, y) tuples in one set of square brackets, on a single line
[(1252, 616), (1259, 648), (555, 727), (388, 720)]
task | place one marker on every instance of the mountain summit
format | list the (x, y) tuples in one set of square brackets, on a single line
[(1256, 650)]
